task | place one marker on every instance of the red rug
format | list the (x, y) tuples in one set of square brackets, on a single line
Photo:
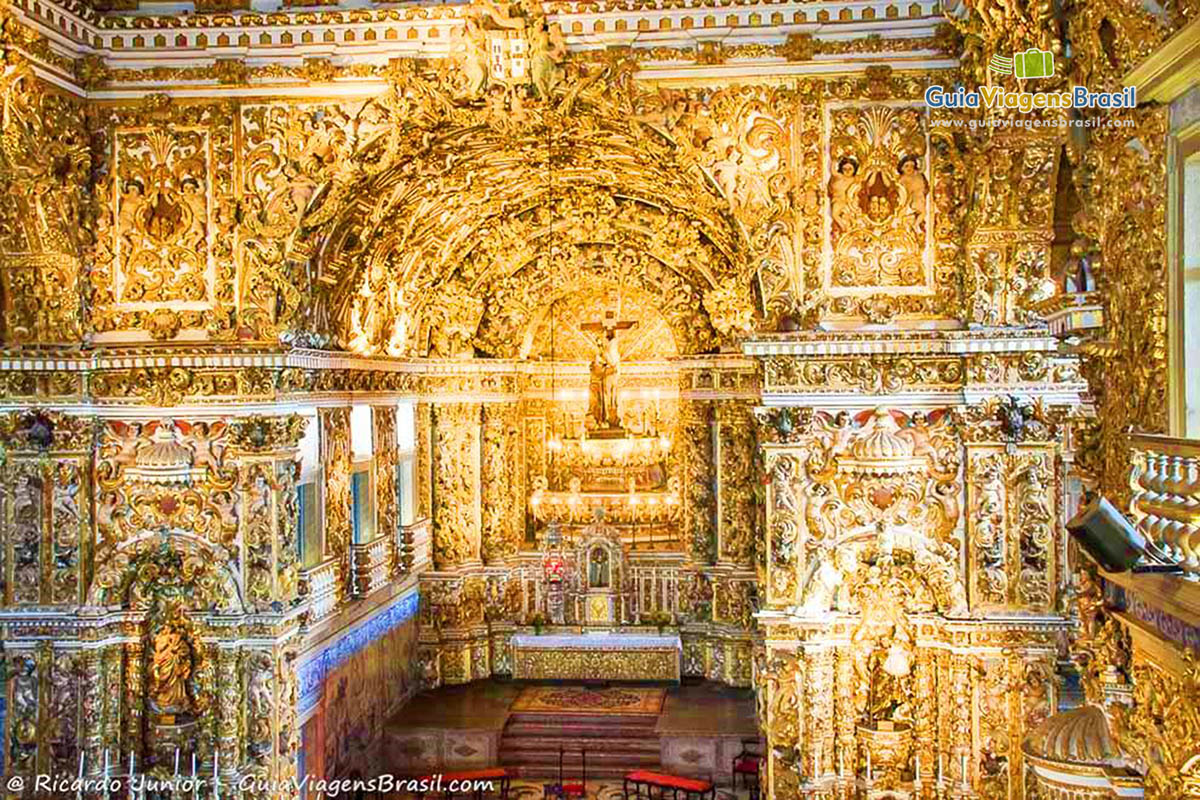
[(581, 700)]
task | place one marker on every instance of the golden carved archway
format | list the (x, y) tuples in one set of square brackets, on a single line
[(456, 220)]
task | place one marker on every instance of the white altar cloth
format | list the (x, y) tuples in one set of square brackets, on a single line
[(597, 641)]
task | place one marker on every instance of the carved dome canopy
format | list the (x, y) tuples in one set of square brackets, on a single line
[(1079, 737)]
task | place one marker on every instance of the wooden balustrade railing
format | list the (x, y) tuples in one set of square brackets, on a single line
[(1165, 504)]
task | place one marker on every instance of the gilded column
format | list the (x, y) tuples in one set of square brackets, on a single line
[(696, 446), (134, 693), (818, 756), (91, 709), (231, 709), (783, 686), (457, 514), (845, 712), (735, 483), (925, 709), (113, 696)]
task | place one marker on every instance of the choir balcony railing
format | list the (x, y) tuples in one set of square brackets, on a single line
[(418, 547), (321, 584), (371, 564), (1165, 481)]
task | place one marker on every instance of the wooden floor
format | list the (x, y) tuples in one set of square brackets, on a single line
[(696, 708), (701, 727)]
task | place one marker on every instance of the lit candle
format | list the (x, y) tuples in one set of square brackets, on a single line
[(964, 770), (176, 761), (939, 769), (918, 775), (841, 763), (106, 763)]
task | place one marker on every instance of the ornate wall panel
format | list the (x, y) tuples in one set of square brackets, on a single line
[(288, 151), (165, 251), (880, 221), (1011, 525), (45, 508), (1011, 227)]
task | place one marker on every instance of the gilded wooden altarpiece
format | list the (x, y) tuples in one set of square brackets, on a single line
[(864, 525)]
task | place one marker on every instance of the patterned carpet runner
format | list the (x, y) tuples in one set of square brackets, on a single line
[(583, 700)]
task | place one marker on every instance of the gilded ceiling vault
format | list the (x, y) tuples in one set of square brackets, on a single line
[(689, 317)]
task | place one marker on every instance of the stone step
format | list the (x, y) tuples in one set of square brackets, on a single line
[(549, 774), (571, 746), (606, 721), (579, 730), (571, 760)]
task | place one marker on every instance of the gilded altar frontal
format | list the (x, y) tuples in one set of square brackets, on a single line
[(609, 390)]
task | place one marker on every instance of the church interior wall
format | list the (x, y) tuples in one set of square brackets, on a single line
[(846, 328)]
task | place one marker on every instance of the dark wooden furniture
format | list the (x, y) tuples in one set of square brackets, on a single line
[(648, 785), (747, 763)]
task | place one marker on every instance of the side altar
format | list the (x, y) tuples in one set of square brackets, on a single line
[(592, 656)]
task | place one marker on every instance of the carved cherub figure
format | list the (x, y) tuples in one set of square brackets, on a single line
[(839, 191), (915, 186)]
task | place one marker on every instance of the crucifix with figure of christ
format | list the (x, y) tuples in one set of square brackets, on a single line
[(606, 366)]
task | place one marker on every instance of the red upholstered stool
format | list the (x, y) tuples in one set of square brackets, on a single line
[(747, 763), (566, 789)]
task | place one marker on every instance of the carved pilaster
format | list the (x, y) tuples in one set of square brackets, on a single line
[(735, 483), (503, 490), (92, 708), (424, 466), (1008, 246), (785, 556), (336, 458), (387, 486), (696, 444), (231, 711), (134, 693), (456, 492)]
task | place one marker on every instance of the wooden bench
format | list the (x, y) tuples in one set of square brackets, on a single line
[(676, 785), (497, 775)]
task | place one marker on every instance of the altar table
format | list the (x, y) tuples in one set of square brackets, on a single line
[(597, 656)]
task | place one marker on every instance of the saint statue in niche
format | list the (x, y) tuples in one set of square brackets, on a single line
[(888, 672), (170, 670), (605, 368), (598, 570)]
